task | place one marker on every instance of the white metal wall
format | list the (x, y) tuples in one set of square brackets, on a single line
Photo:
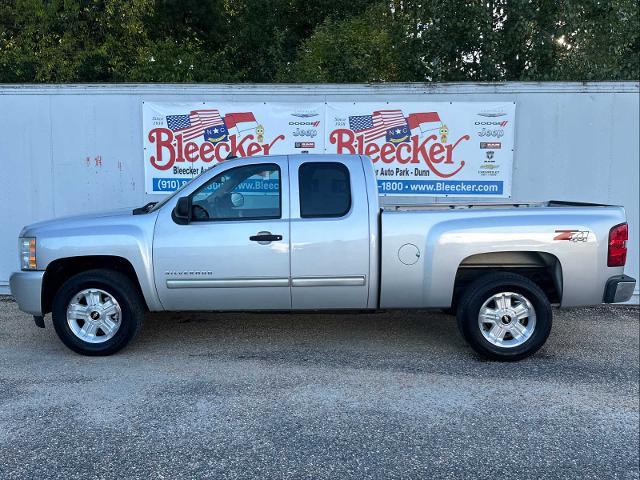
[(67, 149)]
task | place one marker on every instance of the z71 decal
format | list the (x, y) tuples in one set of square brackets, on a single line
[(572, 235)]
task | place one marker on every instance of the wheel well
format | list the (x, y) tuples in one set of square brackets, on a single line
[(544, 269), (61, 270)]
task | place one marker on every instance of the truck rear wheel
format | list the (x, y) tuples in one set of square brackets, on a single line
[(97, 312), (504, 316)]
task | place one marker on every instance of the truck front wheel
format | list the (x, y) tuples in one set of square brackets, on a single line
[(504, 316), (97, 312)]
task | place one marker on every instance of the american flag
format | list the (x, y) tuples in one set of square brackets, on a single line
[(376, 125), (194, 124)]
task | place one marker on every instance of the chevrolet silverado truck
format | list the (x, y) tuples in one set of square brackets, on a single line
[(307, 232)]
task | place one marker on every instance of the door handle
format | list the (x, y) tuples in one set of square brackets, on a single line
[(264, 238)]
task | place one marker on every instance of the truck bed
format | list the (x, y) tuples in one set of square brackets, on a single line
[(486, 205), (424, 246)]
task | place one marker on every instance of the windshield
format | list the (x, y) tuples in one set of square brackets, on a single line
[(162, 202)]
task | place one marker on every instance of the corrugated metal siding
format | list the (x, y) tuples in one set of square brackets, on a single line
[(67, 149)]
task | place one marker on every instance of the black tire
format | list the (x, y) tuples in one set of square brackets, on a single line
[(480, 291), (115, 284)]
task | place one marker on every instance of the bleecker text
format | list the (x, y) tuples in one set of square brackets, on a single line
[(170, 148), (429, 151)]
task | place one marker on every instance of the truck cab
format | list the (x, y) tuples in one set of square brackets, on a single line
[(270, 233)]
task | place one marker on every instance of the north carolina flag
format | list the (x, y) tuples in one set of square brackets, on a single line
[(216, 134), (398, 134), (425, 121), (242, 122)]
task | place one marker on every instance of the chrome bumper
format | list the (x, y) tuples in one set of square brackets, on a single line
[(619, 289), (26, 287)]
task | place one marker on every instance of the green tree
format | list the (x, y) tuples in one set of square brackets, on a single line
[(265, 36), (70, 40), (495, 40), (326, 41), (186, 42), (356, 49)]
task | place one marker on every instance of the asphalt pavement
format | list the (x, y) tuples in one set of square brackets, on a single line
[(320, 396)]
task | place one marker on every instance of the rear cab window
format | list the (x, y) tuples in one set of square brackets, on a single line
[(325, 190)]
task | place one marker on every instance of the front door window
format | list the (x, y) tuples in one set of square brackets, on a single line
[(251, 192)]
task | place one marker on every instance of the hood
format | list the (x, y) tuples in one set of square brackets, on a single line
[(85, 220)]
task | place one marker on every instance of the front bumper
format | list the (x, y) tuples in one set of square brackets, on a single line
[(26, 287), (619, 289)]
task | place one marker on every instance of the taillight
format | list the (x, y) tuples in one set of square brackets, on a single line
[(617, 254)]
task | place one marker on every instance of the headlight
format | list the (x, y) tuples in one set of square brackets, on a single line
[(28, 253)]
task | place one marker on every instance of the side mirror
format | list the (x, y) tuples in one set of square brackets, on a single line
[(237, 199), (182, 211)]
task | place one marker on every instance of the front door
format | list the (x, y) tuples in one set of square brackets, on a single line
[(234, 253)]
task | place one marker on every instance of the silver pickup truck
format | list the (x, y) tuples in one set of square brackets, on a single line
[(306, 232)]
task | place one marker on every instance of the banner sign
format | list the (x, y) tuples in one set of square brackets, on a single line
[(417, 148), (440, 149), (181, 140)]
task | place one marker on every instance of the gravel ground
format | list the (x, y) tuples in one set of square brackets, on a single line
[(320, 396)]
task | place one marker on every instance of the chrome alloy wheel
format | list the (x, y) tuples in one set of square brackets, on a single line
[(507, 319), (94, 316)]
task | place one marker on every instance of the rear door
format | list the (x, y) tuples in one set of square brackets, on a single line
[(329, 233), (234, 253)]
